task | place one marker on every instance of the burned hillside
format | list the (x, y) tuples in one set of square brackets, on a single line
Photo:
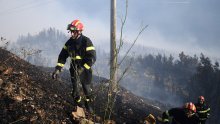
[(29, 95)]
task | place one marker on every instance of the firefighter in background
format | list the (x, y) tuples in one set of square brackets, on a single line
[(185, 115), (82, 53), (203, 109)]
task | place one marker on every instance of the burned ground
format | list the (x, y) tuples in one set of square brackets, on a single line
[(29, 95)]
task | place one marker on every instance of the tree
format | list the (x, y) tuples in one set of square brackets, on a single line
[(201, 82), (113, 52), (114, 64)]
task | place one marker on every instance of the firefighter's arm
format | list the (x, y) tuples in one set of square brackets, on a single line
[(165, 117), (205, 111), (208, 112), (62, 58), (90, 56), (61, 61)]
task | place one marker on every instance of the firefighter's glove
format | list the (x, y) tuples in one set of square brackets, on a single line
[(56, 73)]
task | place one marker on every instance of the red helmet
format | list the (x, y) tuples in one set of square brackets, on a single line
[(190, 106), (201, 98), (75, 25)]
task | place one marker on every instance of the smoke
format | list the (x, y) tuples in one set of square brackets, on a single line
[(50, 42), (143, 84)]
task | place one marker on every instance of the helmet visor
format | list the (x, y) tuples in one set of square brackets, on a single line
[(71, 27)]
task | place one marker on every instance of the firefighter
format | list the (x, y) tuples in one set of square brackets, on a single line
[(184, 115), (82, 53), (203, 109)]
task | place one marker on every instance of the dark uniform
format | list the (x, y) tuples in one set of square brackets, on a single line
[(179, 116), (83, 56), (203, 111)]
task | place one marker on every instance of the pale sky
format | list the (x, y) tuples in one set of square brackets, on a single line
[(181, 25)]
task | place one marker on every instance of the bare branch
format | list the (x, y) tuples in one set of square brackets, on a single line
[(126, 54), (29, 52), (124, 72), (122, 27)]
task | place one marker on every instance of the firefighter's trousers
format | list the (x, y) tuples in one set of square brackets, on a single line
[(84, 78)]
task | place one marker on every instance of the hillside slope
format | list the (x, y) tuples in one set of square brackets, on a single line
[(29, 95)]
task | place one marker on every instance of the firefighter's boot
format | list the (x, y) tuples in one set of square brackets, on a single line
[(88, 106), (77, 102)]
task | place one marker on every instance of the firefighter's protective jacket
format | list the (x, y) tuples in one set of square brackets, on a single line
[(81, 51), (179, 117), (203, 111)]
